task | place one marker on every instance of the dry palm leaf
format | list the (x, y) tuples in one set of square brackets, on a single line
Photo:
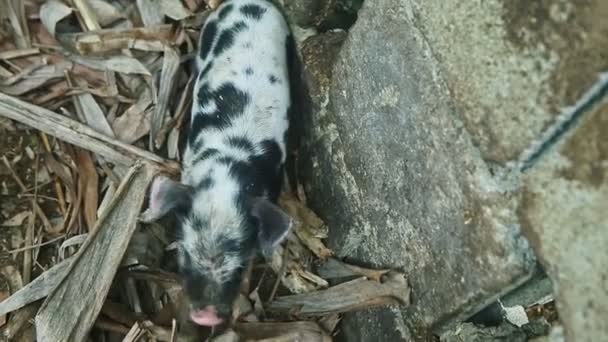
[(167, 81), (309, 228), (152, 38), (134, 123), (69, 311), (90, 112), (10, 54), (78, 134), (52, 12), (33, 78), (106, 12), (174, 9), (353, 295), (89, 17), (150, 12), (14, 10), (123, 64), (37, 289), (89, 181)]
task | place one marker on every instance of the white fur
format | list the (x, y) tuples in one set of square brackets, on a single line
[(265, 117)]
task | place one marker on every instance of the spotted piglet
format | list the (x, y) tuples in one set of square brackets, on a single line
[(233, 162)]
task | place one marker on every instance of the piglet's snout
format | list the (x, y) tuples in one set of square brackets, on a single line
[(207, 316)]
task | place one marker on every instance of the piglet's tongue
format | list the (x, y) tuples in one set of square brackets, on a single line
[(207, 317)]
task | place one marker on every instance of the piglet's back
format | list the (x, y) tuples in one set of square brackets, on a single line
[(242, 89)]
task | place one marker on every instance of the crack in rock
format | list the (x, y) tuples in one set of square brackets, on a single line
[(565, 122)]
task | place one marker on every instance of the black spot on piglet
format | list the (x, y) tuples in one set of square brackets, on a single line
[(241, 143), (253, 11), (227, 37), (225, 11), (207, 38), (230, 103)]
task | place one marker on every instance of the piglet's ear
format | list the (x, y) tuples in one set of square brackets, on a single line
[(166, 195), (273, 224)]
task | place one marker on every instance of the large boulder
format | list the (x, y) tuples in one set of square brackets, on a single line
[(511, 65), (564, 215), (398, 179), (414, 149)]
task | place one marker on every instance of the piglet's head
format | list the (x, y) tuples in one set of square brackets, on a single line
[(217, 239)]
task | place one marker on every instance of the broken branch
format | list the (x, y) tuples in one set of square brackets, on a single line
[(353, 295)]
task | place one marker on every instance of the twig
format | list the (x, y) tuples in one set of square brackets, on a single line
[(280, 275), (45, 221), (29, 233), (48, 198), (58, 189), (173, 330), (25, 248)]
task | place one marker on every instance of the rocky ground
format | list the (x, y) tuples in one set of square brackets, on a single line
[(462, 142)]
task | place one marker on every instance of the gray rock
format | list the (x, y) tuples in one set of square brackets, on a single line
[(564, 215), (537, 288), (396, 176), (303, 12), (469, 332), (512, 65), (323, 15)]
